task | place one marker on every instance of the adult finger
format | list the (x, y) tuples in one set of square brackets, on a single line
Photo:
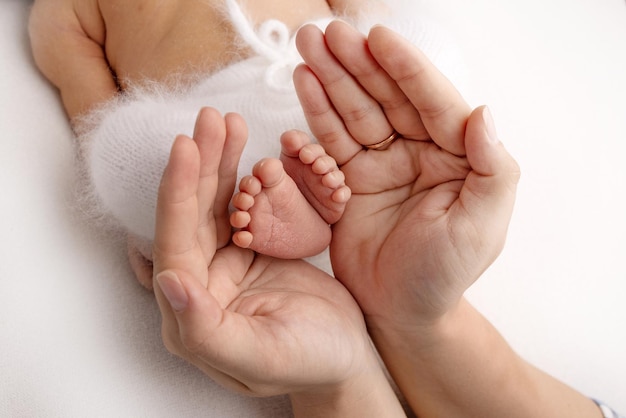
[(175, 243), (442, 109), (350, 48), (324, 122), (177, 205), (177, 304), (176, 220), (360, 112), (221, 343), (209, 135), (489, 191), (236, 138)]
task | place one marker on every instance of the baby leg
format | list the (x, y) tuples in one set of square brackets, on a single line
[(277, 218)]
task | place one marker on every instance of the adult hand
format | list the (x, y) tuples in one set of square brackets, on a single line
[(255, 324), (429, 213)]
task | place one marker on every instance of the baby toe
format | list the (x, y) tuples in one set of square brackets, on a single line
[(250, 185), (293, 141), (240, 219), (324, 164), (243, 201), (334, 179), (269, 171), (311, 152)]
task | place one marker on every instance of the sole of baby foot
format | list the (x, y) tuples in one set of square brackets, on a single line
[(274, 218), (316, 174)]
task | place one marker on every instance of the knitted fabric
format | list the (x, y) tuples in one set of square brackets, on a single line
[(126, 143)]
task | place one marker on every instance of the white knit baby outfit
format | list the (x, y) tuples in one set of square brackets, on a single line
[(127, 149)]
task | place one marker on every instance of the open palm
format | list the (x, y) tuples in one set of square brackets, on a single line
[(255, 324), (429, 213)]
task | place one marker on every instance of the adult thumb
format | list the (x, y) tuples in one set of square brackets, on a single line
[(490, 188), (190, 313), (485, 153), (196, 328)]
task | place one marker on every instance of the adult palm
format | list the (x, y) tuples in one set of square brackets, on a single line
[(429, 213), (255, 324)]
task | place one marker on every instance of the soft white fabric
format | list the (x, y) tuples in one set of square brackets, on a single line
[(129, 139), (80, 338)]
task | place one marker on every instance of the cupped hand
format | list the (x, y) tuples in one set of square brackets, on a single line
[(255, 324), (429, 213)]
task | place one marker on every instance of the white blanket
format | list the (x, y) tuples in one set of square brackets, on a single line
[(79, 338)]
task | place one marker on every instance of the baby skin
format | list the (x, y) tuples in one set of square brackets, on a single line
[(286, 206), (96, 50), (93, 49)]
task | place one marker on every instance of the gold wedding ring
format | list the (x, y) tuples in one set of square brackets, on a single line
[(379, 146)]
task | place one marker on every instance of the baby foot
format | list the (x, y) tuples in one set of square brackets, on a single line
[(316, 174), (275, 217)]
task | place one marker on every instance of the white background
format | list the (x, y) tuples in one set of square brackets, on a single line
[(78, 337), (554, 75)]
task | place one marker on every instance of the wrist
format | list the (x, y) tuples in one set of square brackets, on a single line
[(416, 332), (453, 367), (438, 363), (367, 394)]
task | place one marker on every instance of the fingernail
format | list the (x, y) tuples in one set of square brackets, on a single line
[(490, 126), (173, 290)]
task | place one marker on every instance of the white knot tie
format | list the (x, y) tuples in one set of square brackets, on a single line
[(272, 41)]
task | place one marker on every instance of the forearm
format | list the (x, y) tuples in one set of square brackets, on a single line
[(369, 395), (462, 367)]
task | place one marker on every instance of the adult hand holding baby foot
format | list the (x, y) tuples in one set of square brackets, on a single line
[(433, 191), (255, 324)]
